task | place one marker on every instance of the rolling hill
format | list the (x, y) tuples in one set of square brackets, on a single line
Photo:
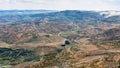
[(59, 39)]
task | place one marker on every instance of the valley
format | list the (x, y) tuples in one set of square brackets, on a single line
[(59, 39)]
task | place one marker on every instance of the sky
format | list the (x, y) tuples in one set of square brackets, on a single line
[(60, 5)]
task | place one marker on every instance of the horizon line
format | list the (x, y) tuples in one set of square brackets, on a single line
[(52, 10)]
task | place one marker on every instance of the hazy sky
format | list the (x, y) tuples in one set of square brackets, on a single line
[(60, 4)]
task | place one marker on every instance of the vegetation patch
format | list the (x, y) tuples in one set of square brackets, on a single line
[(15, 56)]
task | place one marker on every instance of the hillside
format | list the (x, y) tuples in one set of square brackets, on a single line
[(59, 39)]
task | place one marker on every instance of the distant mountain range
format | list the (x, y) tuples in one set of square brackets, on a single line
[(20, 12), (75, 16)]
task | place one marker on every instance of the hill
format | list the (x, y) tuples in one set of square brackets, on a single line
[(62, 39)]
